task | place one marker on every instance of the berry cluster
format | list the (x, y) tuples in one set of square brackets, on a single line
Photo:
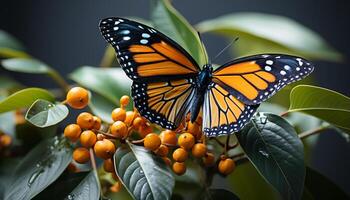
[(5, 141), (99, 139)]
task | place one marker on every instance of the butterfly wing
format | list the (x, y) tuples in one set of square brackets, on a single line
[(223, 113), (254, 79), (144, 53)]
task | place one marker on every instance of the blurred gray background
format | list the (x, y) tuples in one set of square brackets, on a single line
[(65, 35)]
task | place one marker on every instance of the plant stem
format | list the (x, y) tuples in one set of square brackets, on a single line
[(311, 132), (108, 57), (59, 80), (284, 114)]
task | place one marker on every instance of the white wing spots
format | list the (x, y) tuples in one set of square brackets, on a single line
[(125, 32), (300, 62), (126, 38), (141, 27), (116, 22), (282, 72), (143, 41), (116, 28), (268, 68), (146, 35), (287, 67), (121, 20), (298, 68), (269, 62), (265, 56)]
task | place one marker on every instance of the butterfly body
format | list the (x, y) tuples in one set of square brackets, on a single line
[(168, 83)]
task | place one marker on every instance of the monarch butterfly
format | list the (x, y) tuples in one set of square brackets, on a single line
[(168, 83)]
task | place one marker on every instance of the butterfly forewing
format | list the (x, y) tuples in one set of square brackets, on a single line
[(254, 79), (146, 54)]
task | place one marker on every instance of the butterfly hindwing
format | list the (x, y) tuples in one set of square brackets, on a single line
[(223, 113), (254, 79), (146, 54), (164, 103)]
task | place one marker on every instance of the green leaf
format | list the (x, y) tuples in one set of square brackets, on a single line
[(266, 33), (144, 175), (169, 21), (62, 186), (320, 187), (275, 149), (322, 103), (25, 65), (7, 83), (10, 46), (24, 98), (102, 107), (221, 194), (88, 189), (44, 113), (111, 83), (39, 168)]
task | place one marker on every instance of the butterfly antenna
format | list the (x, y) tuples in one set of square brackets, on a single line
[(203, 47), (224, 49)]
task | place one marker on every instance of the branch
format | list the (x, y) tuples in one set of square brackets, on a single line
[(311, 132)]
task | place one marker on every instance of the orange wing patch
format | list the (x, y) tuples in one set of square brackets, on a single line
[(161, 59), (246, 78)]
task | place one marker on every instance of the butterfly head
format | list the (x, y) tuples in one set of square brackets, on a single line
[(208, 68)]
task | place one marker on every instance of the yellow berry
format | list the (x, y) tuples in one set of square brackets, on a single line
[(130, 116), (180, 155), (226, 166), (85, 120), (152, 141), (81, 155), (199, 150), (124, 100), (179, 168), (138, 122), (77, 98), (162, 151), (116, 187), (209, 159), (168, 137), (72, 132), (186, 141), (119, 129), (88, 138), (5, 140), (104, 149), (97, 123), (193, 128), (118, 114), (108, 165)]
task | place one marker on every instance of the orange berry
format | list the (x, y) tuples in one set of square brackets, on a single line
[(5, 140), (152, 141), (81, 155), (226, 166), (119, 129), (138, 122), (167, 160), (145, 130), (180, 155), (179, 168), (118, 114), (130, 116), (85, 120), (209, 159), (186, 141), (72, 132), (108, 165), (168, 137), (77, 97), (162, 151), (97, 123), (193, 128), (88, 138), (199, 150), (116, 187), (124, 100), (104, 149)]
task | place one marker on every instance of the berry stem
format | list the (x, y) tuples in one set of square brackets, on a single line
[(311, 132), (106, 134), (59, 80), (284, 114)]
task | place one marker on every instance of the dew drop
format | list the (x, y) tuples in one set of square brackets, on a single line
[(34, 177), (141, 172)]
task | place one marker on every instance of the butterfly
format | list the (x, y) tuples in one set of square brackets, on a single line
[(168, 83)]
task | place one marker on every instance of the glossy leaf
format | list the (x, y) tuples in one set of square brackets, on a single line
[(318, 186), (322, 103), (143, 174), (38, 169), (88, 189), (24, 98), (266, 33), (44, 113), (275, 149), (10, 46), (169, 21), (25, 65), (111, 83), (102, 107)]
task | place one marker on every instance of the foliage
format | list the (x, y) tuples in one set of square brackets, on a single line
[(269, 154)]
